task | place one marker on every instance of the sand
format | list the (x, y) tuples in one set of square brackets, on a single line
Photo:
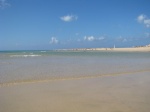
[(142, 49), (121, 93), (134, 49)]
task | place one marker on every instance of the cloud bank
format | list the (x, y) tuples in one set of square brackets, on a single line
[(144, 20), (69, 18), (53, 40)]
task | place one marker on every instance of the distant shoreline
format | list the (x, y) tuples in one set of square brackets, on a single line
[(134, 49)]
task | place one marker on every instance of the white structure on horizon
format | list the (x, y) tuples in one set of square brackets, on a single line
[(114, 46), (148, 45)]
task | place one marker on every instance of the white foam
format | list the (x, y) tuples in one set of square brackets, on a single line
[(25, 55), (43, 51)]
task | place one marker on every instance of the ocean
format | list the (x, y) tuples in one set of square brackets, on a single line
[(18, 67)]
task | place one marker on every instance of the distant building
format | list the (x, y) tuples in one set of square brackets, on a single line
[(148, 45), (114, 46)]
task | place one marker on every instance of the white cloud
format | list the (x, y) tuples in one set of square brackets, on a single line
[(147, 23), (144, 20), (69, 18), (101, 38), (141, 18), (53, 40), (3, 4), (92, 38)]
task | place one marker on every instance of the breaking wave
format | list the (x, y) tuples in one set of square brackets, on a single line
[(31, 55)]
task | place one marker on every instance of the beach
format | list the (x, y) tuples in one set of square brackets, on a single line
[(74, 55), (54, 81), (129, 49), (124, 93)]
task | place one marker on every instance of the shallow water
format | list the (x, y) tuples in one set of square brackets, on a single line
[(31, 66)]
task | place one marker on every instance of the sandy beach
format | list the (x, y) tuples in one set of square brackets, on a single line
[(53, 81), (122, 93), (130, 49), (140, 49)]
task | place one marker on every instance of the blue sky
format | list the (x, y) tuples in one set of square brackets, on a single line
[(60, 24)]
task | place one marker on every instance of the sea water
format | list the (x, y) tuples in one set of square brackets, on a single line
[(30, 66)]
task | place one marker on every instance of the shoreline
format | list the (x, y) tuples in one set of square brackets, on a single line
[(134, 49)]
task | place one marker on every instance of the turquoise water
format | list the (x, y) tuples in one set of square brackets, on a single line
[(32, 66)]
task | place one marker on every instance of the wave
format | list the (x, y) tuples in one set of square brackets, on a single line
[(31, 55), (43, 51)]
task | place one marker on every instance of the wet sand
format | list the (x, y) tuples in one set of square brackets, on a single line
[(121, 93)]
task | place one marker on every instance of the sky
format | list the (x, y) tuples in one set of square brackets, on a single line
[(65, 24)]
